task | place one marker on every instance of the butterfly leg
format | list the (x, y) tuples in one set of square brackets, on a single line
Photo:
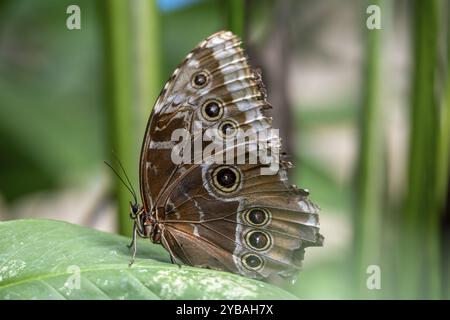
[(164, 242), (133, 246), (133, 239), (172, 260)]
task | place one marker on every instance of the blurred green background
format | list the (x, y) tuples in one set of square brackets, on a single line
[(364, 114)]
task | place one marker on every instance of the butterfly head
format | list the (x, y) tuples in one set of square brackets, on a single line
[(135, 210), (137, 214), (145, 223)]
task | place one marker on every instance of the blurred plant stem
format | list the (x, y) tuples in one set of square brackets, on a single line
[(419, 256), (369, 175), (235, 11), (444, 178), (444, 167), (132, 57)]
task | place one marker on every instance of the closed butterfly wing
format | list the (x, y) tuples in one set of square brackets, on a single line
[(239, 216)]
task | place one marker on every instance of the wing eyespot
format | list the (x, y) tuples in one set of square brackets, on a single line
[(200, 79), (252, 262), (226, 179), (258, 240), (257, 217), (212, 110), (228, 129)]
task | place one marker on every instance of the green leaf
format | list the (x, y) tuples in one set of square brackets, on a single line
[(41, 259)]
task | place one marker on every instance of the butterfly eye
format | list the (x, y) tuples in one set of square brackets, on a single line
[(228, 129), (257, 217), (258, 240), (251, 261), (200, 79), (212, 110), (226, 179)]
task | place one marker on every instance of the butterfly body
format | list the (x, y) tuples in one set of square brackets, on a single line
[(224, 215)]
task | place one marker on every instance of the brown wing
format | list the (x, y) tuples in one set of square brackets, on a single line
[(259, 225), (175, 109), (260, 230)]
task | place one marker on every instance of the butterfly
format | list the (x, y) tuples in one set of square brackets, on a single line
[(225, 216)]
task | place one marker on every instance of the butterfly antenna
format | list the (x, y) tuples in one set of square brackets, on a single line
[(126, 176), (129, 187)]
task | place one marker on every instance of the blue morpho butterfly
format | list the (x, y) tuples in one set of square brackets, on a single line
[(221, 216)]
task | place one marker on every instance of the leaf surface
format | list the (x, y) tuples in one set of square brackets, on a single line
[(45, 259)]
